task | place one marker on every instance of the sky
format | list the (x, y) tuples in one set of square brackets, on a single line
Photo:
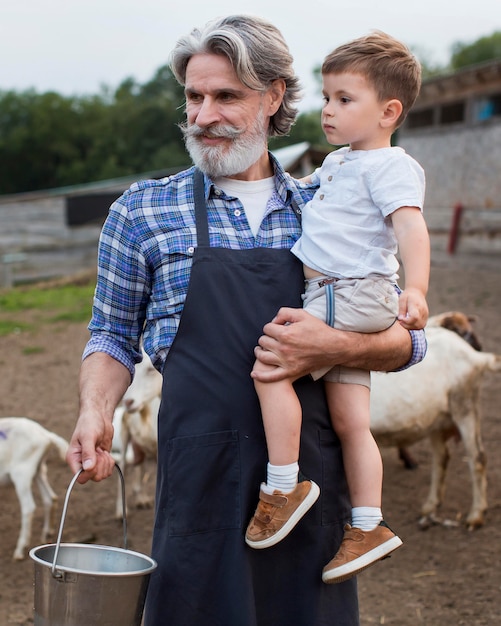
[(75, 47)]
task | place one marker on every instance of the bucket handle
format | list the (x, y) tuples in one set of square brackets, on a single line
[(57, 574)]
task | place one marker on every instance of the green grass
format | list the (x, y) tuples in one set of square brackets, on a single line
[(33, 350), (70, 303), (12, 326)]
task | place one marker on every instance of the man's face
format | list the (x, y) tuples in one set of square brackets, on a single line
[(226, 131)]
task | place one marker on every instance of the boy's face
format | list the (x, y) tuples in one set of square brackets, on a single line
[(352, 113)]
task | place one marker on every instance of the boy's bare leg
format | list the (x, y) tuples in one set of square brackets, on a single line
[(368, 539), (349, 406), (283, 501), (281, 412)]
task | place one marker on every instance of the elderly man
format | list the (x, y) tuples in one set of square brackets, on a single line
[(196, 264)]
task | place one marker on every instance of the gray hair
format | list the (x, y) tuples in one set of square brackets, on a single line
[(258, 53)]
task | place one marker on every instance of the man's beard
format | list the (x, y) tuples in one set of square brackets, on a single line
[(245, 149)]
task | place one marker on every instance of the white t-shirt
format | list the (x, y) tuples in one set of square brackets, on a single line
[(253, 194)]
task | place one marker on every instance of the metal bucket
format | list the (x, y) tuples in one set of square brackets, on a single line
[(90, 585)]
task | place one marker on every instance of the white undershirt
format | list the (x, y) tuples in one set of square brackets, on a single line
[(253, 194)]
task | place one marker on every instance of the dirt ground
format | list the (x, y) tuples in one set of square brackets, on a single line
[(445, 576)]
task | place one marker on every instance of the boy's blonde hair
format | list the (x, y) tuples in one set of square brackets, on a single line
[(386, 63)]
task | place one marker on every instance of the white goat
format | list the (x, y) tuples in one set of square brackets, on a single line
[(24, 445), (461, 324), (437, 398), (135, 423)]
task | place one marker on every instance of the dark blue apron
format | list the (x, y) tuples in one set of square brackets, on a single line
[(212, 459)]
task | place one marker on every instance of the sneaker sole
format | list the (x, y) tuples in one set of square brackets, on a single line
[(356, 566), (299, 513)]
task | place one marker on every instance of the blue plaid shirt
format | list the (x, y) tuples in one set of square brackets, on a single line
[(145, 255)]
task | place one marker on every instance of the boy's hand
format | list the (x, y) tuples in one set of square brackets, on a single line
[(412, 309)]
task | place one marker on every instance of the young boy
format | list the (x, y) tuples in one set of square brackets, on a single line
[(370, 200)]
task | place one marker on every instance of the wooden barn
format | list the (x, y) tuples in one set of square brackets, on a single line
[(454, 131), (46, 234), (51, 233)]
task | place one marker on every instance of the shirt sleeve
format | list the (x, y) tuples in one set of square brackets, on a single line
[(122, 291), (419, 347), (315, 177), (398, 182)]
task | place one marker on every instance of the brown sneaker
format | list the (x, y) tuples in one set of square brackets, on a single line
[(358, 550), (276, 515)]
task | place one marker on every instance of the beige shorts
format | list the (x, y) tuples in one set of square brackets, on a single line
[(365, 305)]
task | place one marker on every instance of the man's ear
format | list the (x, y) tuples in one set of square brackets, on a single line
[(276, 95), (391, 113)]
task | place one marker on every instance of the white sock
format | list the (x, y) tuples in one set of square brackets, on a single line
[(366, 517), (281, 477)]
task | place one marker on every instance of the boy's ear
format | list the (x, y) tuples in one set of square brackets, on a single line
[(391, 112)]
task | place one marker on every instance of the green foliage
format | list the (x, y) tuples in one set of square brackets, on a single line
[(484, 49), (307, 128), (429, 67), (48, 140)]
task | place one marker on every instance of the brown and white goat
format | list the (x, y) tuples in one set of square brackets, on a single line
[(436, 399)]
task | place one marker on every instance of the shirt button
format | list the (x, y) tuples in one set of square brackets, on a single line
[(322, 196), (237, 213), (218, 192), (191, 250), (330, 178)]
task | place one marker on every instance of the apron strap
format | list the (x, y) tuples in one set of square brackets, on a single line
[(200, 209), (296, 209)]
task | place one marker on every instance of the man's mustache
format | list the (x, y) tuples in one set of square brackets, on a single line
[(212, 132)]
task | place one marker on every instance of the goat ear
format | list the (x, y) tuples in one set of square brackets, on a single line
[(448, 323)]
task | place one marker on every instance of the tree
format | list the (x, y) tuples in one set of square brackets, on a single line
[(307, 128), (483, 49), (145, 124), (43, 139), (48, 140)]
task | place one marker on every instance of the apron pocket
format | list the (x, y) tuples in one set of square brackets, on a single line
[(204, 483), (335, 508)]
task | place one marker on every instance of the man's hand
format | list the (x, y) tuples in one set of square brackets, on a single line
[(294, 343), (103, 381), (90, 447)]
